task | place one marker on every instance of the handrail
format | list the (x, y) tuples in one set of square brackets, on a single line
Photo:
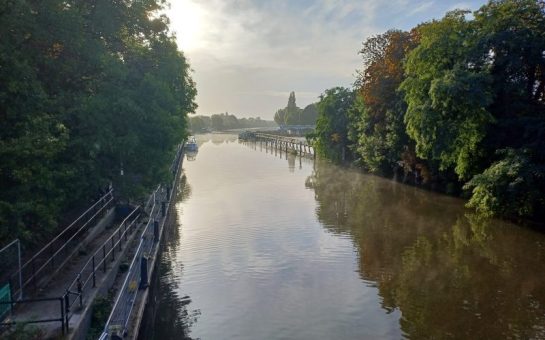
[(151, 196), (70, 239), (92, 266), (120, 314), (89, 269), (38, 300), (131, 267), (107, 241), (105, 200), (70, 226), (283, 138)]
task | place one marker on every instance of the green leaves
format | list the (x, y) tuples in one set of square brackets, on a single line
[(440, 100), (511, 186), (447, 96), (86, 88), (331, 135), (378, 116)]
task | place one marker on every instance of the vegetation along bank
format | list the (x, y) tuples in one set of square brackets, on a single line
[(455, 104)]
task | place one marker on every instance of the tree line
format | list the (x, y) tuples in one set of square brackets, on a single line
[(225, 121), (294, 115), (91, 93), (455, 104)]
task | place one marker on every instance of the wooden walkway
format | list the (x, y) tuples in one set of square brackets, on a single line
[(287, 144)]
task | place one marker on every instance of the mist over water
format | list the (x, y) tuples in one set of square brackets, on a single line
[(271, 246)]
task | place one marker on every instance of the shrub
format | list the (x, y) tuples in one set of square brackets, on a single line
[(510, 187)]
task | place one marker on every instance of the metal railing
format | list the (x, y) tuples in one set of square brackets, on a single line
[(122, 308), (54, 255), (98, 261), (60, 318), (58, 251), (119, 318)]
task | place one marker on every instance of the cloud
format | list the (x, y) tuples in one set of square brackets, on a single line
[(248, 53), (421, 8)]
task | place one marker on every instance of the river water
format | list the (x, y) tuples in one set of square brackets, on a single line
[(271, 246)]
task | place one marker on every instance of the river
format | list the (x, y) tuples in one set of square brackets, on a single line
[(266, 245)]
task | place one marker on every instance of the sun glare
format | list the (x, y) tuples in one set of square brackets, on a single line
[(187, 22)]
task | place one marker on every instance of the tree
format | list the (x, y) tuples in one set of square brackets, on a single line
[(290, 115), (512, 186), (88, 89), (447, 95), (280, 117), (197, 124), (380, 137), (331, 135), (217, 122), (511, 41), (309, 115)]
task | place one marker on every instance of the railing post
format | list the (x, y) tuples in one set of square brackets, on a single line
[(94, 275), (11, 291), (62, 314), (125, 232), (104, 257), (163, 209), (113, 249), (80, 291), (119, 238), (67, 308), (33, 274), (156, 231), (144, 280)]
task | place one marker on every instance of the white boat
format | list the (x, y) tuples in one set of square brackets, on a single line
[(191, 144)]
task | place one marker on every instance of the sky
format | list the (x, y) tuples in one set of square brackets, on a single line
[(248, 55)]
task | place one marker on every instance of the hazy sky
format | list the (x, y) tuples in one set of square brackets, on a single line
[(247, 55)]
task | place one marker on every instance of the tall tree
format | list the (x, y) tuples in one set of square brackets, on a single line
[(381, 139), (331, 135), (447, 95), (309, 115), (86, 89)]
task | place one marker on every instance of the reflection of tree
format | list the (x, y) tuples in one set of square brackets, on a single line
[(215, 138), (452, 274), (167, 315)]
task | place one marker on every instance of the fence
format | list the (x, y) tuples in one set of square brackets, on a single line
[(98, 262), (10, 258), (138, 277), (54, 255), (57, 252), (60, 318)]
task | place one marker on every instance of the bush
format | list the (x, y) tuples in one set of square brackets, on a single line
[(101, 310), (510, 187)]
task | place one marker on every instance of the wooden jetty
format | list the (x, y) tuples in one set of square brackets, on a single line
[(287, 144)]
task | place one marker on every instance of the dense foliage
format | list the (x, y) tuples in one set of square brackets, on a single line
[(225, 121), (331, 134), (88, 91), (293, 115), (454, 104)]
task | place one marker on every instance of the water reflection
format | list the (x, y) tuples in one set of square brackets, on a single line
[(167, 315), (293, 159), (325, 252), (451, 273)]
